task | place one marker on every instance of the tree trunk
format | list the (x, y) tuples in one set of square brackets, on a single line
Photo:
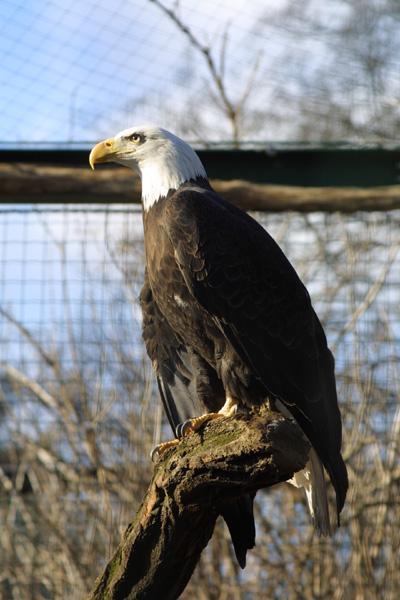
[(206, 471)]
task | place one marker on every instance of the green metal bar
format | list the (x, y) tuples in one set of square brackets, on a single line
[(300, 166)]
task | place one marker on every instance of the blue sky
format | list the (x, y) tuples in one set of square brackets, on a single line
[(78, 71), (71, 70)]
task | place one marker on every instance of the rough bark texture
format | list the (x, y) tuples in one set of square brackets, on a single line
[(228, 458), (36, 183)]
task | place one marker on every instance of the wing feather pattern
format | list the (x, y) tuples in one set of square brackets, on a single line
[(239, 275)]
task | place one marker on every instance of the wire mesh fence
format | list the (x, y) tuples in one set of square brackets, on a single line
[(79, 412), (244, 69)]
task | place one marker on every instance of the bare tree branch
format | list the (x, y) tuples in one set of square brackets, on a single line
[(234, 111), (217, 77), (23, 380)]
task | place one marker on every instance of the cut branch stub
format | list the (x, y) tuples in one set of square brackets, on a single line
[(230, 457)]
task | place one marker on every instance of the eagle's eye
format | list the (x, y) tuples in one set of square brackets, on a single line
[(136, 138)]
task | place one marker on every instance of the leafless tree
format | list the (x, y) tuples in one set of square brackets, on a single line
[(307, 72)]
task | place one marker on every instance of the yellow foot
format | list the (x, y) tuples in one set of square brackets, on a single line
[(228, 409), (161, 448)]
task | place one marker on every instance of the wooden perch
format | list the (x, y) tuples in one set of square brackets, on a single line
[(227, 459), (37, 184)]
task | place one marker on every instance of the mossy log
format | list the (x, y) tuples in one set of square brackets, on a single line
[(228, 458)]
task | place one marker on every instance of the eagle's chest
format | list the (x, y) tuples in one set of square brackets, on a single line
[(189, 321)]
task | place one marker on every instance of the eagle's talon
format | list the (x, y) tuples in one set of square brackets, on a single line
[(229, 409), (159, 450), (179, 429), (187, 427), (154, 454)]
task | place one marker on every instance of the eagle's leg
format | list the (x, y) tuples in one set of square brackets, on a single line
[(228, 410)]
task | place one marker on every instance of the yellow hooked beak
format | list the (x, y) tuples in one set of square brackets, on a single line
[(103, 152)]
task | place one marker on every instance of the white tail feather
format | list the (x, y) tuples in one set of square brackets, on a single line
[(312, 478)]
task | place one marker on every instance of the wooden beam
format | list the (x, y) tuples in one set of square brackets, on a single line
[(29, 183)]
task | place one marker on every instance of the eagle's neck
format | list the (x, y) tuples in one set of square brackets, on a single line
[(156, 184), (168, 171)]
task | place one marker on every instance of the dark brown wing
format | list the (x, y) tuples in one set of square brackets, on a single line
[(172, 362), (183, 378), (236, 271)]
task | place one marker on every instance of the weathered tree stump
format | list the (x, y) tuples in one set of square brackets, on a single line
[(206, 471)]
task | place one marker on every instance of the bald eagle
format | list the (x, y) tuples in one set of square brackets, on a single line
[(227, 322)]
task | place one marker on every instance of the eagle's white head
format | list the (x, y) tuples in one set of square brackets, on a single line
[(162, 160)]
